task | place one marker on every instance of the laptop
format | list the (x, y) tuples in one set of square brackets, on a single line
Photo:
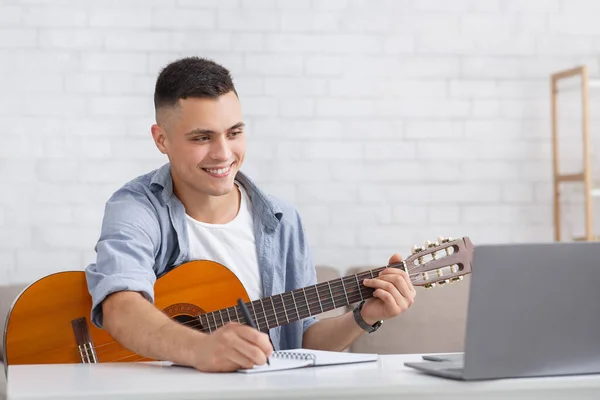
[(534, 310)]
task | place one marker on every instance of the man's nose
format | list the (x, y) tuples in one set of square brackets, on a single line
[(220, 149)]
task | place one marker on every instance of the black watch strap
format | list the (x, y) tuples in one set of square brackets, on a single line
[(361, 322)]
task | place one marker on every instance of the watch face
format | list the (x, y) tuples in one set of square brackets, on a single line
[(376, 326)]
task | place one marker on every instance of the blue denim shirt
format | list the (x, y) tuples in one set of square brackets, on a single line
[(144, 235)]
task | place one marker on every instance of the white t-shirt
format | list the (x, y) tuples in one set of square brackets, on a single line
[(231, 244)]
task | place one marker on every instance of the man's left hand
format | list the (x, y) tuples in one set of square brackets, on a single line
[(394, 293)]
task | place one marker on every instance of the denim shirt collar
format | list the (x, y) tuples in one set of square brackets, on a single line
[(267, 216), (260, 202)]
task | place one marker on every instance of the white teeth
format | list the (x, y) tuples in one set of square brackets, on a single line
[(218, 171)]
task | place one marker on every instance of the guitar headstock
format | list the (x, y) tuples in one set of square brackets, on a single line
[(441, 262)]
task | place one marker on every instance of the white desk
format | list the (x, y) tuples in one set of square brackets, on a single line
[(385, 379)]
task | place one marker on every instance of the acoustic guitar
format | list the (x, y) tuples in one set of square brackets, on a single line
[(49, 321)]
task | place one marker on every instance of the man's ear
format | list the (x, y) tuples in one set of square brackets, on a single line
[(159, 136)]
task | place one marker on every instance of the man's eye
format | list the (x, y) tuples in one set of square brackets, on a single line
[(200, 138), (236, 133)]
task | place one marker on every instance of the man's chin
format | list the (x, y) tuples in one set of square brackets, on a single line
[(220, 191)]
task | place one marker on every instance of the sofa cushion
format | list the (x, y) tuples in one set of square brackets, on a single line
[(436, 323), (2, 383), (8, 294)]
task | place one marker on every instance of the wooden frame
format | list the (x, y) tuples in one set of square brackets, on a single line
[(586, 175)]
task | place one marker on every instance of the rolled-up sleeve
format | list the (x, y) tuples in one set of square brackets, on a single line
[(126, 250)]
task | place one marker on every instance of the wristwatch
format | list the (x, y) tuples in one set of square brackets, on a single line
[(361, 322)]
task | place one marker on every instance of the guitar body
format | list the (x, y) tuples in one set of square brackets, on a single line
[(40, 328)]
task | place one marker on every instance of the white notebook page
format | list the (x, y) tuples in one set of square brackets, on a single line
[(300, 358)]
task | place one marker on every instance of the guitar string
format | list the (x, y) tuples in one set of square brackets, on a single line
[(266, 316), (265, 319), (339, 296), (142, 358), (113, 343)]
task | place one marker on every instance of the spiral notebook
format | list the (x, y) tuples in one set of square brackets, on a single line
[(302, 358)]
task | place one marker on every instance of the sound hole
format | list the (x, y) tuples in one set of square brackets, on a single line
[(188, 320), (185, 313)]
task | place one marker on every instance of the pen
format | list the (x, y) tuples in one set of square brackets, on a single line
[(248, 318)]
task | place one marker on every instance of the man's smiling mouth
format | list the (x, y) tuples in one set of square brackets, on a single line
[(219, 171)]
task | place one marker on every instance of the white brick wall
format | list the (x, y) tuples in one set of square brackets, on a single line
[(387, 123)]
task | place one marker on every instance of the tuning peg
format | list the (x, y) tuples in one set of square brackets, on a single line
[(444, 282), (429, 286), (446, 240), (457, 279), (442, 239), (454, 268), (431, 244), (416, 249)]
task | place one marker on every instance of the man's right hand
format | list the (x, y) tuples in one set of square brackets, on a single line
[(140, 327), (232, 347)]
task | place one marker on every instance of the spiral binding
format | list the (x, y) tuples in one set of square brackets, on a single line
[(294, 355)]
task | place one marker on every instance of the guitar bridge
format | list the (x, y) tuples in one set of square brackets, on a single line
[(87, 352)]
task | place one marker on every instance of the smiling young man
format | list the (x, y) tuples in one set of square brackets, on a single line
[(200, 206)]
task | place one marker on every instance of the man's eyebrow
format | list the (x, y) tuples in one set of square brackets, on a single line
[(237, 126), (211, 132)]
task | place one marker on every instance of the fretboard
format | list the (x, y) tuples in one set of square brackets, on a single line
[(281, 309)]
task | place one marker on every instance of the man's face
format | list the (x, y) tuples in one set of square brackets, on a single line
[(204, 140)]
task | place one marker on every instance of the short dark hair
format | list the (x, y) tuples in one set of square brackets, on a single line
[(191, 77)]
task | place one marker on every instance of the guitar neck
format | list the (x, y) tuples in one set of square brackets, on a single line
[(281, 309)]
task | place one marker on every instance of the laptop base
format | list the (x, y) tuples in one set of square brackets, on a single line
[(455, 357), (444, 369)]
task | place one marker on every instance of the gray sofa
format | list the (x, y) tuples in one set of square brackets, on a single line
[(7, 295), (435, 323)]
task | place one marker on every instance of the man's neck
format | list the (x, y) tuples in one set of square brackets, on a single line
[(211, 209)]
